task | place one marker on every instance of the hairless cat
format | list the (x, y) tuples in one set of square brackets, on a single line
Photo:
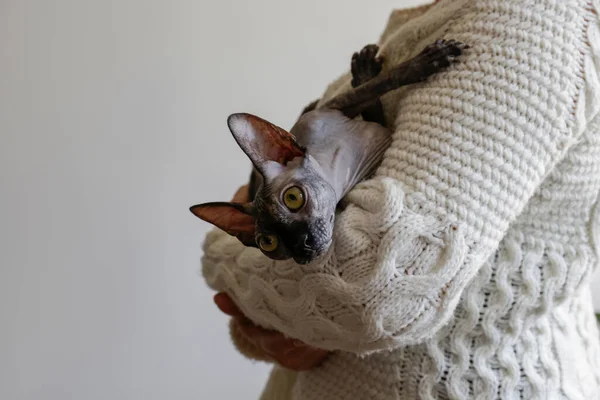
[(300, 176)]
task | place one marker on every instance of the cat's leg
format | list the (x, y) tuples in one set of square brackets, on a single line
[(364, 66), (432, 59)]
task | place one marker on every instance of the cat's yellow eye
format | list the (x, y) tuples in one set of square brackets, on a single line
[(268, 243), (293, 198)]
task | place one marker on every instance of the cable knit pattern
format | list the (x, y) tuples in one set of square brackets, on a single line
[(468, 256)]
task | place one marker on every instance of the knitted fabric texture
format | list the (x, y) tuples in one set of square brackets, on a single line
[(467, 258)]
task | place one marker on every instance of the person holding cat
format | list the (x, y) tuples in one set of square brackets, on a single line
[(461, 269)]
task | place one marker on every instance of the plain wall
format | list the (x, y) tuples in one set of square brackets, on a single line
[(112, 123)]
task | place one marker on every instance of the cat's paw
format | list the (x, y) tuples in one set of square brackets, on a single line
[(365, 65), (439, 55)]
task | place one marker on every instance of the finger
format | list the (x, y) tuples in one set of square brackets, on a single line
[(226, 305), (256, 333), (301, 359), (270, 340), (289, 353), (275, 343), (246, 347)]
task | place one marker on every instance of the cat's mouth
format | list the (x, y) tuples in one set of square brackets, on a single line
[(306, 255)]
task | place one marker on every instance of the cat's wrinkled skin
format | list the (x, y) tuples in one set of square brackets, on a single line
[(330, 168), (324, 155)]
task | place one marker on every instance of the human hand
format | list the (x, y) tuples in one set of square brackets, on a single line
[(264, 344)]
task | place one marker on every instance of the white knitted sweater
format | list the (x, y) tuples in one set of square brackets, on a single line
[(462, 269)]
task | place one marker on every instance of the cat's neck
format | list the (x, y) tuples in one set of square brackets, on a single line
[(346, 160)]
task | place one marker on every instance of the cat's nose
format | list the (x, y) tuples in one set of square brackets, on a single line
[(306, 240)]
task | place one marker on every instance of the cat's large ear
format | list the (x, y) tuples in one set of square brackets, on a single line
[(268, 146), (234, 218)]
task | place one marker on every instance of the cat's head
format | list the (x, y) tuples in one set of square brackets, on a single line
[(292, 213)]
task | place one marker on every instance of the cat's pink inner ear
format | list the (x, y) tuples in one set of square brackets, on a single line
[(233, 218), (263, 141)]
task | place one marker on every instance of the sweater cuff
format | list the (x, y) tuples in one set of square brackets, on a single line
[(392, 276)]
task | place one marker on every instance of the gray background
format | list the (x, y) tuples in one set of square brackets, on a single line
[(112, 123)]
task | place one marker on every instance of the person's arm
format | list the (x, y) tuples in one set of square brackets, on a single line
[(470, 148)]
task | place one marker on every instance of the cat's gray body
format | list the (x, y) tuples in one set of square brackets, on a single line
[(300, 176), (345, 152), (340, 152)]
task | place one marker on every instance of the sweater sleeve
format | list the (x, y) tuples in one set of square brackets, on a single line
[(470, 147)]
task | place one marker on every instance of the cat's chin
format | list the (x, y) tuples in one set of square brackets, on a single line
[(303, 261), (313, 255), (306, 260)]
